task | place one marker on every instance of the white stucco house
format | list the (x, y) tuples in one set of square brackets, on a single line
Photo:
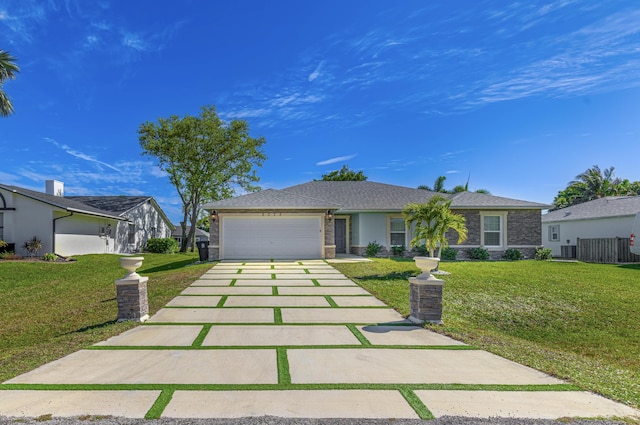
[(76, 225), (322, 219), (608, 217)]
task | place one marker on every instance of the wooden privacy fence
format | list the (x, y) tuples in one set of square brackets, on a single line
[(605, 250)]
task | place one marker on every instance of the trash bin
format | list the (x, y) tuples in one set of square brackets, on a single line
[(203, 250)]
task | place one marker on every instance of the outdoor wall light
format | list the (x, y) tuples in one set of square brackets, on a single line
[(329, 214), (214, 215)]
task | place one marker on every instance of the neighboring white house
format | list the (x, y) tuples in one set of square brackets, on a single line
[(201, 235), (609, 217), (79, 224)]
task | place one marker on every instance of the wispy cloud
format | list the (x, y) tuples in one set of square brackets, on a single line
[(336, 159), (316, 72), (80, 155)]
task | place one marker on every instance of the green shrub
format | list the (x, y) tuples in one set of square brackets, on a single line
[(543, 254), (3, 244), (421, 250), (373, 249), (448, 254), (50, 257), (162, 245), (398, 251), (479, 253), (9, 255), (512, 254)]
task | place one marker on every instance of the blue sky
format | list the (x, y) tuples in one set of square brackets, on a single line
[(520, 96)]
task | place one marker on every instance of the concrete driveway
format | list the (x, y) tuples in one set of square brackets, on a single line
[(290, 339)]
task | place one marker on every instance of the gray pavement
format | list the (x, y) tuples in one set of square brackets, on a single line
[(286, 342)]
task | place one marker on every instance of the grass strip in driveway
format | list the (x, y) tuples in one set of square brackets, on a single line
[(416, 404), (284, 376), (277, 316), (201, 336), (155, 412), (363, 339), (222, 301), (331, 302)]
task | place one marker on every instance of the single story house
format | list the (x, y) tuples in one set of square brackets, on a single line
[(201, 235), (75, 225), (320, 219), (605, 218)]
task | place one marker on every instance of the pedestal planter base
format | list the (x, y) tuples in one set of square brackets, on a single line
[(426, 300), (133, 303)]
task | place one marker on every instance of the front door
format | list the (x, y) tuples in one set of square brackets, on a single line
[(340, 229)]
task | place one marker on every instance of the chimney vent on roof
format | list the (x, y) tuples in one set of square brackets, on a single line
[(54, 187)]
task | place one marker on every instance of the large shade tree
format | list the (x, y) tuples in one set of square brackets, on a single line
[(8, 70), (205, 158), (431, 221)]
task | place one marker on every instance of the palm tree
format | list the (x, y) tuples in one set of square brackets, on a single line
[(432, 221), (438, 186), (595, 183), (7, 72)]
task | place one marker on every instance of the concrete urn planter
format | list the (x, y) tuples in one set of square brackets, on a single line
[(131, 264), (426, 293)]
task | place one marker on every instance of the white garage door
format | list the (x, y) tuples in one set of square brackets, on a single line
[(289, 237)]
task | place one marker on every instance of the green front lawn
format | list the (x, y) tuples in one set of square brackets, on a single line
[(577, 321), (49, 310)]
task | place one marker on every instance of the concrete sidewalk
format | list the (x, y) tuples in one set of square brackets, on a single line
[(289, 339)]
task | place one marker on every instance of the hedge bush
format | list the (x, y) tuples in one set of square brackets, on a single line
[(478, 253), (162, 245)]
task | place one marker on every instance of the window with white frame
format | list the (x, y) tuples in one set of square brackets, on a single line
[(397, 231), (492, 230), (132, 233), (554, 233)]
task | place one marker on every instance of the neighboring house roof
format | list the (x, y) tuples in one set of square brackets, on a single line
[(356, 196), (66, 204), (199, 232), (610, 206), (120, 204)]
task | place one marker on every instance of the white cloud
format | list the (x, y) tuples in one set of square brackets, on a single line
[(316, 73), (336, 159), (80, 155)]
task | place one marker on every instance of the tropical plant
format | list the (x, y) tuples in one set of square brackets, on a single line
[(431, 221), (33, 246), (373, 249), (8, 69), (592, 184), (543, 254), (478, 253), (512, 254), (344, 174), (3, 244), (49, 257), (449, 254), (438, 186), (398, 250)]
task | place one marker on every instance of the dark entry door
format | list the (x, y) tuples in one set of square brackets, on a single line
[(341, 235)]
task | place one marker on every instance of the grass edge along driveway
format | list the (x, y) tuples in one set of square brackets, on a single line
[(576, 321), (49, 310)]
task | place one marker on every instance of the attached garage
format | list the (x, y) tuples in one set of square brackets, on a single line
[(247, 236)]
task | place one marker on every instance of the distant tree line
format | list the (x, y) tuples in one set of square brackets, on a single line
[(438, 186)]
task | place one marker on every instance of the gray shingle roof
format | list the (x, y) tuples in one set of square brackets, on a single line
[(360, 196), (272, 199), (61, 202), (178, 231), (114, 204), (611, 206)]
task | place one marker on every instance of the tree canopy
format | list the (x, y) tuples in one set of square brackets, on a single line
[(205, 158), (8, 69), (432, 221), (592, 184), (344, 174), (438, 186)]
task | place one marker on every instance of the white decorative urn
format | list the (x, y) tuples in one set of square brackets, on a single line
[(131, 264), (426, 264)]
